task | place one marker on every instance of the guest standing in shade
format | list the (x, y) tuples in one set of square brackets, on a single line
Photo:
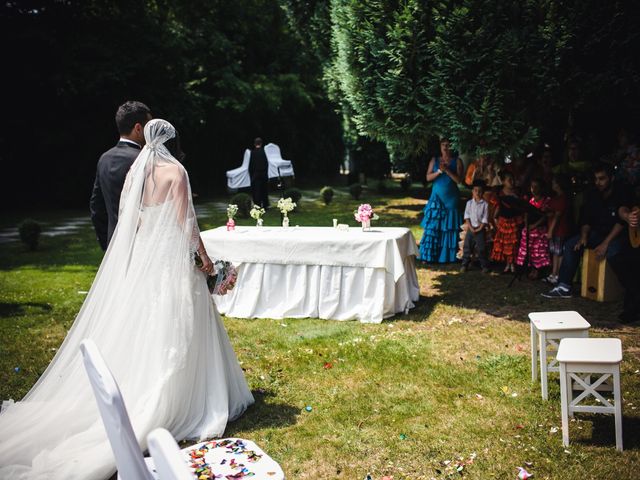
[(442, 217), (259, 173)]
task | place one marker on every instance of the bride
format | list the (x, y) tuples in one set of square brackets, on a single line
[(151, 315)]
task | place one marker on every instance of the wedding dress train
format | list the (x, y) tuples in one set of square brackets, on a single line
[(150, 313)]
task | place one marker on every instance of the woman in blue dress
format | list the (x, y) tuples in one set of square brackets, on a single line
[(442, 217)]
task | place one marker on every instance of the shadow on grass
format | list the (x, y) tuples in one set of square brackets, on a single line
[(20, 309), (498, 295), (603, 432), (263, 414)]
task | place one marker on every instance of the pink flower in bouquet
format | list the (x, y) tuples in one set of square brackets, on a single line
[(364, 213)]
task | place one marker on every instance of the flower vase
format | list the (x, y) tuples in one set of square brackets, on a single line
[(366, 225), (285, 221), (259, 223), (231, 225)]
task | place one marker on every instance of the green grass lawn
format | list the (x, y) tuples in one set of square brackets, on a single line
[(444, 388)]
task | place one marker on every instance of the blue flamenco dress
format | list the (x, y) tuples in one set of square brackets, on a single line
[(442, 219)]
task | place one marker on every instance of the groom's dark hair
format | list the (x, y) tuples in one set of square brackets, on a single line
[(130, 113)]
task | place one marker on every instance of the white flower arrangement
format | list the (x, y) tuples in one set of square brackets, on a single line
[(232, 210), (256, 212), (286, 205)]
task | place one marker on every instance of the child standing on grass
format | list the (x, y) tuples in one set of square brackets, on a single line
[(537, 242), (476, 218), (559, 225), (508, 218)]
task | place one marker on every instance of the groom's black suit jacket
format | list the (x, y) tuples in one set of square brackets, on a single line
[(105, 198)]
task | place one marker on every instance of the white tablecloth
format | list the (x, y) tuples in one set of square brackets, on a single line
[(317, 272)]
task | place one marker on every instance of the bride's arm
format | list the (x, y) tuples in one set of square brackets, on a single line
[(187, 218)]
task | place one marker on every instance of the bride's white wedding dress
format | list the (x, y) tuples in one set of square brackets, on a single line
[(151, 315)]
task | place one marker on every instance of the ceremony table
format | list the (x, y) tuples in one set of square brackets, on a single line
[(317, 272)]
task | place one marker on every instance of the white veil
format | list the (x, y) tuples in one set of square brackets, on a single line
[(150, 314)]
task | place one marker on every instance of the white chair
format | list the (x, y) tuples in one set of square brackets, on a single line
[(130, 461), (278, 167), (171, 462), (547, 329), (239, 177), (580, 358)]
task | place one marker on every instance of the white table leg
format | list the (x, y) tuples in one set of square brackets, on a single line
[(534, 353), (564, 404), (617, 397), (543, 364)]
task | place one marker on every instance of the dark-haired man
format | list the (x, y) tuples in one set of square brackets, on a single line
[(259, 174), (113, 166), (600, 229)]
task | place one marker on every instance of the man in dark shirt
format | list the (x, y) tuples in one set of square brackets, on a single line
[(600, 229), (259, 174)]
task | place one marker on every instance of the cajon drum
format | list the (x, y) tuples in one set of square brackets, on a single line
[(598, 280)]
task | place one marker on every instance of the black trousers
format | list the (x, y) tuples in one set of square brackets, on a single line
[(260, 190), (478, 240)]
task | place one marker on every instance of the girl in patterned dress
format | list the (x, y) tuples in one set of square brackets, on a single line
[(537, 241), (508, 219)]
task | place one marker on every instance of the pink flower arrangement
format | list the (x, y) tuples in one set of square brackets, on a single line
[(365, 213)]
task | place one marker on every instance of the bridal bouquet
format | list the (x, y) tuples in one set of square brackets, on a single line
[(364, 215), (222, 279)]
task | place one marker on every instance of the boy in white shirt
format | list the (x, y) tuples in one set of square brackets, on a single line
[(476, 217)]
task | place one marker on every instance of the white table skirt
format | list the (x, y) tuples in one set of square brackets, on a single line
[(320, 291), (317, 272)]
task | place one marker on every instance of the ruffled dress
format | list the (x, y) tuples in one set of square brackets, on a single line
[(442, 219)]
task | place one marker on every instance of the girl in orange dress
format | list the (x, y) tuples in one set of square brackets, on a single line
[(508, 219)]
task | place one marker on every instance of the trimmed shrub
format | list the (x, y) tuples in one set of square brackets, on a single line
[(327, 195), (405, 183), (244, 203), (294, 193), (355, 190), (29, 231)]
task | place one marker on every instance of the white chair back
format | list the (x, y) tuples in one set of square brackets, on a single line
[(129, 459), (169, 460)]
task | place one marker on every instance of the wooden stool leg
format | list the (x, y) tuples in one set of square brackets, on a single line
[(534, 354), (564, 404), (543, 365), (617, 397)]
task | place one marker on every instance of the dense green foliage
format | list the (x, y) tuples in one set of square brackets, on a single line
[(493, 76), (382, 78), (222, 72)]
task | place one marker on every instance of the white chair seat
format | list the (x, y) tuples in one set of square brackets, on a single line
[(547, 329), (221, 458), (580, 359)]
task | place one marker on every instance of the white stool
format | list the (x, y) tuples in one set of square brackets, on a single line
[(547, 328), (579, 358)]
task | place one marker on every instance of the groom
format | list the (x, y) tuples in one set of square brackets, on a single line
[(113, 166)]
